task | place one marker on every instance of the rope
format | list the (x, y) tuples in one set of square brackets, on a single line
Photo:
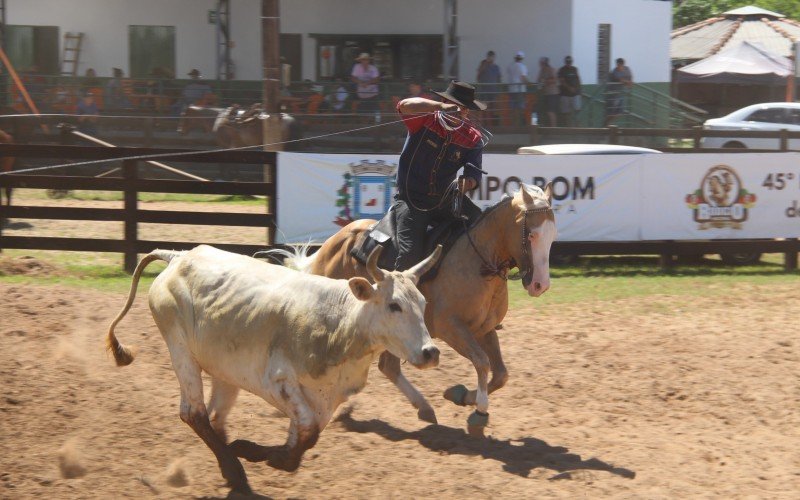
[(194, 153)]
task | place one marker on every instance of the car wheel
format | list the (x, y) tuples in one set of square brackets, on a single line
[(740, 258), (734, 145)]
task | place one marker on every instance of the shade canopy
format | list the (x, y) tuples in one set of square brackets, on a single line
[(746, 63)]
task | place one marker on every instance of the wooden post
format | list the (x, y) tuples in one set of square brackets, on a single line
[(697, 135), (784, 137), (613, 134), (534, 134), (271, 72), (790, 257), (131, 205)]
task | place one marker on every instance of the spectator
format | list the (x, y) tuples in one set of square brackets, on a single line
[(619, 81), (90, 79), (548, 87), (196, 92), (366, 77), (517, 74), (115, 97), (569, 87), (338, 98), (415, 90), (87, 114), (489, 76)]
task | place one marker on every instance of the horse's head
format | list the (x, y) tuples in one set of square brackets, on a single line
[(535, 216)]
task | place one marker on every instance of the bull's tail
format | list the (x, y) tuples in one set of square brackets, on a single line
[(124, 355)]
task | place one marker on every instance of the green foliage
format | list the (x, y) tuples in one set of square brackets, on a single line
[(691, 11)]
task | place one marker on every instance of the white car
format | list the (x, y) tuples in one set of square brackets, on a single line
[(767, 116)]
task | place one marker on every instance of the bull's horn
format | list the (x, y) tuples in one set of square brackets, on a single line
[(376, 273), (423, 267)]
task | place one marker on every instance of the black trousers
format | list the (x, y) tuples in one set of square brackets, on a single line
[(412, 223)]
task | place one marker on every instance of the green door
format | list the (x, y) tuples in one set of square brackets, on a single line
[(151, 47), (30, 47)]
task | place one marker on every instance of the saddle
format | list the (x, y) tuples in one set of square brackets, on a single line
[(383, 233)]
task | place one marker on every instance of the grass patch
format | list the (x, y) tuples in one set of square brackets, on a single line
[(591, 279), (597, 279)]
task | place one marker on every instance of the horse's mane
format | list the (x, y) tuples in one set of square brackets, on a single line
[(506, 199)]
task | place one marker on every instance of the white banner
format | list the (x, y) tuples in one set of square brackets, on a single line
[(597, 197), (320, 193), (721, 196)]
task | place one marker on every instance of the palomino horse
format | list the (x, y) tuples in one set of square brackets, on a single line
[(468, 297)]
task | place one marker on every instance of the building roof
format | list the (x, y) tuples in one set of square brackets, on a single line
[(771, 30)]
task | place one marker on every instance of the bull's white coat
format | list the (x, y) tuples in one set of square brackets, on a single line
[(301, 342)]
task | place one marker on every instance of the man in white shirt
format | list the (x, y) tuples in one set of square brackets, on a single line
[(517, 74)]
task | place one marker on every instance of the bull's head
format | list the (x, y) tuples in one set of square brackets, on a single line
[(394, 313)]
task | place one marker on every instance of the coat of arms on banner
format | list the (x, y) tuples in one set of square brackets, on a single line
[(367, 191), (722, 200)]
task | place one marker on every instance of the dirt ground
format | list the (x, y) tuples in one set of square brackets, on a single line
[(638, 398), (655, 397)]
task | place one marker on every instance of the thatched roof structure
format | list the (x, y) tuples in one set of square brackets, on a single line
[(771, 30)]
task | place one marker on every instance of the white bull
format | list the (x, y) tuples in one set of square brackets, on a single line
[(303, 343)]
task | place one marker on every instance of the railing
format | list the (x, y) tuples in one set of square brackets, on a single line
[(131, 185), (641, 106)]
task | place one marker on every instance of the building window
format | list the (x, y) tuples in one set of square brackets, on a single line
[(397, 57), (151, 47)]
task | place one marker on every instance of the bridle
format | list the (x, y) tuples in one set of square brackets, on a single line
[(526, 267), (501, 269)]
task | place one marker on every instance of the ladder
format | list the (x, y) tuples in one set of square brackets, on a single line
[(72, 53)]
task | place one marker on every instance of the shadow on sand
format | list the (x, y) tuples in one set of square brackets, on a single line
[(518, 456)]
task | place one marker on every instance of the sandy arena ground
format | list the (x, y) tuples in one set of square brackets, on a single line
[(656, 397), (639, 398)]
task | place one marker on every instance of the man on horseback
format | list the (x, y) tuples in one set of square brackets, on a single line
[(440, 142)]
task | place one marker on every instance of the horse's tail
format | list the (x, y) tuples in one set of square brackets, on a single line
[(124, 355), (297, 258)]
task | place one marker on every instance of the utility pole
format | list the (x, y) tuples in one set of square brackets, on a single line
[(450, 49), (270, 56)]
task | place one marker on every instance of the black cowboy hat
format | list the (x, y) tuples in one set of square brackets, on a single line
[(462, 94)]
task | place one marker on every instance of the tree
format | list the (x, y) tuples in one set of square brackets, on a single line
[(685, 12)]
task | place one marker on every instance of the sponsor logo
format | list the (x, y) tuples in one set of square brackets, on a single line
[(367, 191), (722, 201)]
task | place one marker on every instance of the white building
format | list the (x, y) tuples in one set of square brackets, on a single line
[(321, 37)]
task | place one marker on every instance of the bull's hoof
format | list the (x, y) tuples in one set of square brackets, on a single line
[(427, 415), (476, 423), (457, 394)]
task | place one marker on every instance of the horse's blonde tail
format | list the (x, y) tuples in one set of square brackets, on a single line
[(297, 258), (124, 355)]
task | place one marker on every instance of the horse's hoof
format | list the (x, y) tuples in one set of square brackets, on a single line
[(476, 423), (456, 394), (427, 415)]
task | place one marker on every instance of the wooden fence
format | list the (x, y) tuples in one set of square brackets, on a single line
[(131, 184)]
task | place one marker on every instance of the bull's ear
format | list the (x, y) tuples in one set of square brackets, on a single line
[(548, 193), (361, 288)]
